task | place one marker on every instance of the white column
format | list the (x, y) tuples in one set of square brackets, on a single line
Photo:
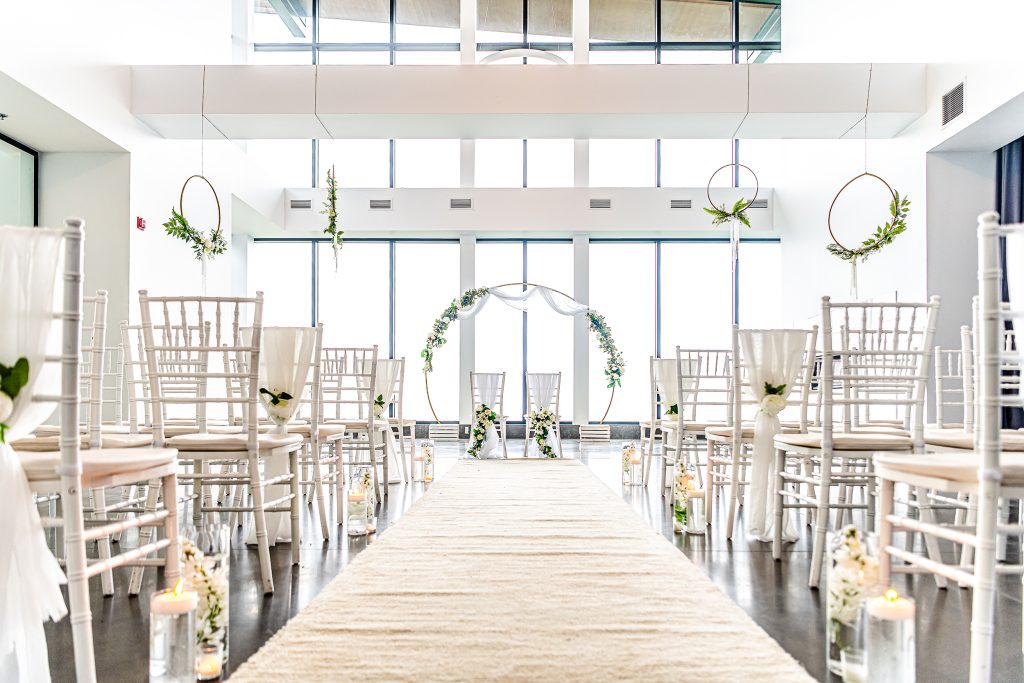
[(581, 31), (467, 328), (581, 163), (467, 163), (467, 28), (581, 332)]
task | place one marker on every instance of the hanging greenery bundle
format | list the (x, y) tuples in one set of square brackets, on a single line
[(331, 211)]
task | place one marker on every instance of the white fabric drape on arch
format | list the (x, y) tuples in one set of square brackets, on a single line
[(286, 355), (487, 384), (519, 300), (30, 577), (773, 357), (542, 397)]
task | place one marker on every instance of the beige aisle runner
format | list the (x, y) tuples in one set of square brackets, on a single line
[(521, 570)]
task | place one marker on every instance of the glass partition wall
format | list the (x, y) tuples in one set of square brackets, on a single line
[(655, 294), (18, 173)]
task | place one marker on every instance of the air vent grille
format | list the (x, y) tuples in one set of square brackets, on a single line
[(680, 204), (301, 203), (953, 104), (759, 204), (600, 203), (380, 205), (460, 203)]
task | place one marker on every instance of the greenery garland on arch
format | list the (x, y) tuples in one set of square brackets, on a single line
[(614, 362)]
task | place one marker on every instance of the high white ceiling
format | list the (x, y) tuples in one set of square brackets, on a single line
[(806, 101)]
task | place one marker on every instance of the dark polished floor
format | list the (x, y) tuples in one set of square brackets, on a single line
[(774, 594)]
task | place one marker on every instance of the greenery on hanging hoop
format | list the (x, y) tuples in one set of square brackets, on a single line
[(884, 235), (331, 211), (178, 226), (739, 209)]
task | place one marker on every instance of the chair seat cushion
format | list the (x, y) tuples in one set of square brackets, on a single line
[(98, 463), (699, 427), (51, 430), (871, 429), (46, 444), (748, 431), (356, 425), (231, 442), (1010, 439), (326, 432), (857, 441), (960, 467)]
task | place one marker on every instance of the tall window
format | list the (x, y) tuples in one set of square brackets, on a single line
[(354, 302), (426, 280), (695, 296), (548, 334), (17, 183), (287, 301), (499, 328), (622, 283)]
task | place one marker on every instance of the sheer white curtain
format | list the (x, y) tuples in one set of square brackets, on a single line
[(771, 357), (520, 301), (30, 576)]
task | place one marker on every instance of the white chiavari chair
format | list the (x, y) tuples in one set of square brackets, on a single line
[(488, 388), (881, 360), (192, 372), (704, 391), (543, 392), (668, 379), (729, 449), (404, 429), (349, 380), (989, 473), (66, 473)]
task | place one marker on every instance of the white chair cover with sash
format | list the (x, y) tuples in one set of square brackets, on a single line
[(286, 356), (30, 576), (542, 387), (774, 357), (488, 385)]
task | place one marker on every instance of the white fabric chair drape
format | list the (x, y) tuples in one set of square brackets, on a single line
[(774, 357), (30, 576), (286, 356), (542, 389), (666, 373), (487, 385)]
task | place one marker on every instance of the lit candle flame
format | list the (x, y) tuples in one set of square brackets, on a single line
[(179, 588), (891, 595)]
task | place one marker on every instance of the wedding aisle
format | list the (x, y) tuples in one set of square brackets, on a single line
[(521, 570)]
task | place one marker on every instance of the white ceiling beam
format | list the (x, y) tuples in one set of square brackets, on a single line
[(515, 100)]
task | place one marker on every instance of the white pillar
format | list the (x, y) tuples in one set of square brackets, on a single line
[(581, 332), (467, 28), (581, 31), (467, 163), (467, 328), (581, 163)]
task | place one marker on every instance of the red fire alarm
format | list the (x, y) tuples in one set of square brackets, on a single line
[(140, 222)]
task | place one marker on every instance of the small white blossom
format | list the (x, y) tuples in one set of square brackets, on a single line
[(772, 404)]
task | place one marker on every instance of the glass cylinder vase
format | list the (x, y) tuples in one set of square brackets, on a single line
[(423, 463), (206, 568), (172, 636), (632, 470), (851, 576), (360, 502), (890, 638)]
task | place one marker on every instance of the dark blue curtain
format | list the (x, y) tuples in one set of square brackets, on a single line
[(1010, 205)]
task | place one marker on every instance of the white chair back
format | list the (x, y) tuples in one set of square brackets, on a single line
[(704, 386), (954, 382), (745, 403), (348, 383), (543, 391), (881, 359)]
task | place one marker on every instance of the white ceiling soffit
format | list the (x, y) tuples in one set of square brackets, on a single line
[(38, 123), (515, 100)]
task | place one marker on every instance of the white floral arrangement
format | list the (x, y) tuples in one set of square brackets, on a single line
[(366, 480), (276, 402), (12, 379), (853, 575), (542, 421), (774, 401), (379, 406), (485, 418), (211, 586), (684, 484)]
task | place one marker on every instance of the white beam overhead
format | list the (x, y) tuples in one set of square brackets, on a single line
[(515, 100)]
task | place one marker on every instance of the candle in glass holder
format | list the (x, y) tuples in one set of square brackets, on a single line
[(890, 652), (209, 662), (695, 522), (358, 513), (172, 635)]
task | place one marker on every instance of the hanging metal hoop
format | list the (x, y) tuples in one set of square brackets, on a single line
[(426, 375), (757, 186), (181, 198), (849, 182)]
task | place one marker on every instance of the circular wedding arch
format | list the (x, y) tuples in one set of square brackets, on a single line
[(613, 365)]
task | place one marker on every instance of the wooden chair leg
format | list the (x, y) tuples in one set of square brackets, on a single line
[(318, 491), (709, 477), (262, 544), (734, 493), (821, 522), (780, 499), (146, 533), (172, 556), (99, 512), (296, 471), (931, 543)]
